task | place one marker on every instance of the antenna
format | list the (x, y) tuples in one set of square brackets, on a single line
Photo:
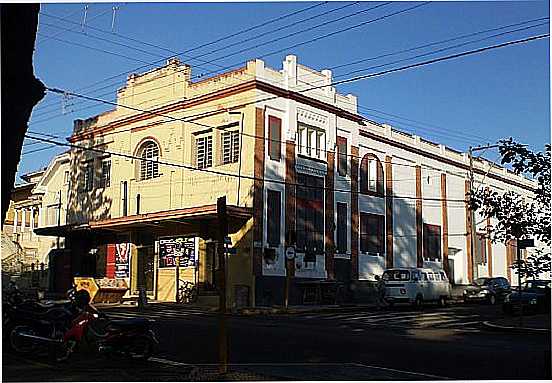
[(115, 9), (84, 17)]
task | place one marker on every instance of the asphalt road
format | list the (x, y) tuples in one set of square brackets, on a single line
[(398, 344)]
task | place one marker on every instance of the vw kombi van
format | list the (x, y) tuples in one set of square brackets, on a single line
[(416, 286)]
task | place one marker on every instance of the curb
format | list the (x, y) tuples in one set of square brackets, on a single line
[(522, 330)]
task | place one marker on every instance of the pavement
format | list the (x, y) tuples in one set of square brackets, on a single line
[(397, 343), (537, 323)]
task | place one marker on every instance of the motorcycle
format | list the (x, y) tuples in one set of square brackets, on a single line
[(132, 338), (31, 325)]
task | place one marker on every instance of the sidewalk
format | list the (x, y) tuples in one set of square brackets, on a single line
[(538, 323)]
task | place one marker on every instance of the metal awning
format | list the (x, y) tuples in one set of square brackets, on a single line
[(200, 220)]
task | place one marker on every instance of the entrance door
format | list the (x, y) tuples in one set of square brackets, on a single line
[(146, 270)]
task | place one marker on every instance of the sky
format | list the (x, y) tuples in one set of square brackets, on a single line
[(471, 100)]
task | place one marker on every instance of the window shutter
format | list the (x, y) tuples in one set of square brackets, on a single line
[(274, 137), (342, 156), (342, 227), (364, 175), (273, 217), (379, 182)]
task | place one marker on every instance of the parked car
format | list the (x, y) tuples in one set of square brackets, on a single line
[(416, 286), (535, 297), (487, 289)]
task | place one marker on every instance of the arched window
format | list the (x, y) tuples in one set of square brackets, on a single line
[(371, 175), (149, 152)]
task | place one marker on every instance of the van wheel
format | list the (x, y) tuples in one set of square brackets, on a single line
[(419, 302), (443, 301)]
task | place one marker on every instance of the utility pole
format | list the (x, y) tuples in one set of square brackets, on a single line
[(473, 228), (221, 252)]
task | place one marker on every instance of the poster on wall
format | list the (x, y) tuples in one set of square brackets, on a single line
[(122, 260), (177, 251)]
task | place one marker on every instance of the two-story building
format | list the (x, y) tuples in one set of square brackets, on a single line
[(299, 167)]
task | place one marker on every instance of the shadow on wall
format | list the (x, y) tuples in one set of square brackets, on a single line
[(89, 191)]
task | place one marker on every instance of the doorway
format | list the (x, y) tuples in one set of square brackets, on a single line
[(143, 266)]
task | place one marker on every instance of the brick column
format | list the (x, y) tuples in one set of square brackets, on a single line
[(388, 212), (290, 204), (469, 239), (258, 191), (330, 219), (354, 212), (419, 219), (444, 214)]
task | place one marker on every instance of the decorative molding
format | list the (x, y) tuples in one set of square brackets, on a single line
[(311, 118)]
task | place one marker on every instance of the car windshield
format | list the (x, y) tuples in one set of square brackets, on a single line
[(537, 285), (396, 275), (481, 281)]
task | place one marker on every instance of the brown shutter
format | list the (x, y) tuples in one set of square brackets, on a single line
[(364, 174), (342, 156), (379, 175), (274, 137)]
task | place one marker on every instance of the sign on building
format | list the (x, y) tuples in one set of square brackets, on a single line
[(177, 251), (122, 260)]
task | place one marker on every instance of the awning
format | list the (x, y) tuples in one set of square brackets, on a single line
[(200, 220)]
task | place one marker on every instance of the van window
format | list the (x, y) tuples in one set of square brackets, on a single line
[(424, 276), (437, 276), (443, 276), (430, 276), (396, 275), (415, 275)]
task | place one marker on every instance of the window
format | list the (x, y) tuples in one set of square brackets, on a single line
[(149, 168), (371, 175), (341, 228), (371, 233), (273, 213), (443, 276), (230, 147), (52, 213), (310, 215), (105, 175), (342, 156), (274, 137), (480, 248), (204, 152), (396, 275), (66, 177), (311, 141), (430, 275), (87, 176), (431, 242)]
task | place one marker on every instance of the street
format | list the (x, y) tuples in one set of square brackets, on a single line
[(394, 344)]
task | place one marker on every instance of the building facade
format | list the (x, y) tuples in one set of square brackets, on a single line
[(299, 168)]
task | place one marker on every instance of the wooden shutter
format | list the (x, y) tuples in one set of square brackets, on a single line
[(342, 156), (379, 177), (273, 217), (274, 137), (342, 227)]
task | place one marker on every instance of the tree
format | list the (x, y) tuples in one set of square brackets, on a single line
[(516, 216)]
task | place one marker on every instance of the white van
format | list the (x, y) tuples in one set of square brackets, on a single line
[(416, 286)]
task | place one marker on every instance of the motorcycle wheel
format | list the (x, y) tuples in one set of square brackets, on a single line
[(141, 348), (21, 344)]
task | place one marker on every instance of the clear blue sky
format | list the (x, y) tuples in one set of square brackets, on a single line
[(471, 100)]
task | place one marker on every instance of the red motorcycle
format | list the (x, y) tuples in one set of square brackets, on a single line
[(132, 338)]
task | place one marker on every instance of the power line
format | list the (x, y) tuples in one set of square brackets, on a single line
[(311, 40), (217, 172), (223, 38), (456, 38), (479, 50)]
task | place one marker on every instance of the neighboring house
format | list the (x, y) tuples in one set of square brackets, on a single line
[(34, 204), (352, 196)]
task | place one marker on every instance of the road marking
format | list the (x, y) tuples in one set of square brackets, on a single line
[(168, 362), (401, 371)]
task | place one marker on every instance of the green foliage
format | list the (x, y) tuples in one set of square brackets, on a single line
[(515, 216)]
